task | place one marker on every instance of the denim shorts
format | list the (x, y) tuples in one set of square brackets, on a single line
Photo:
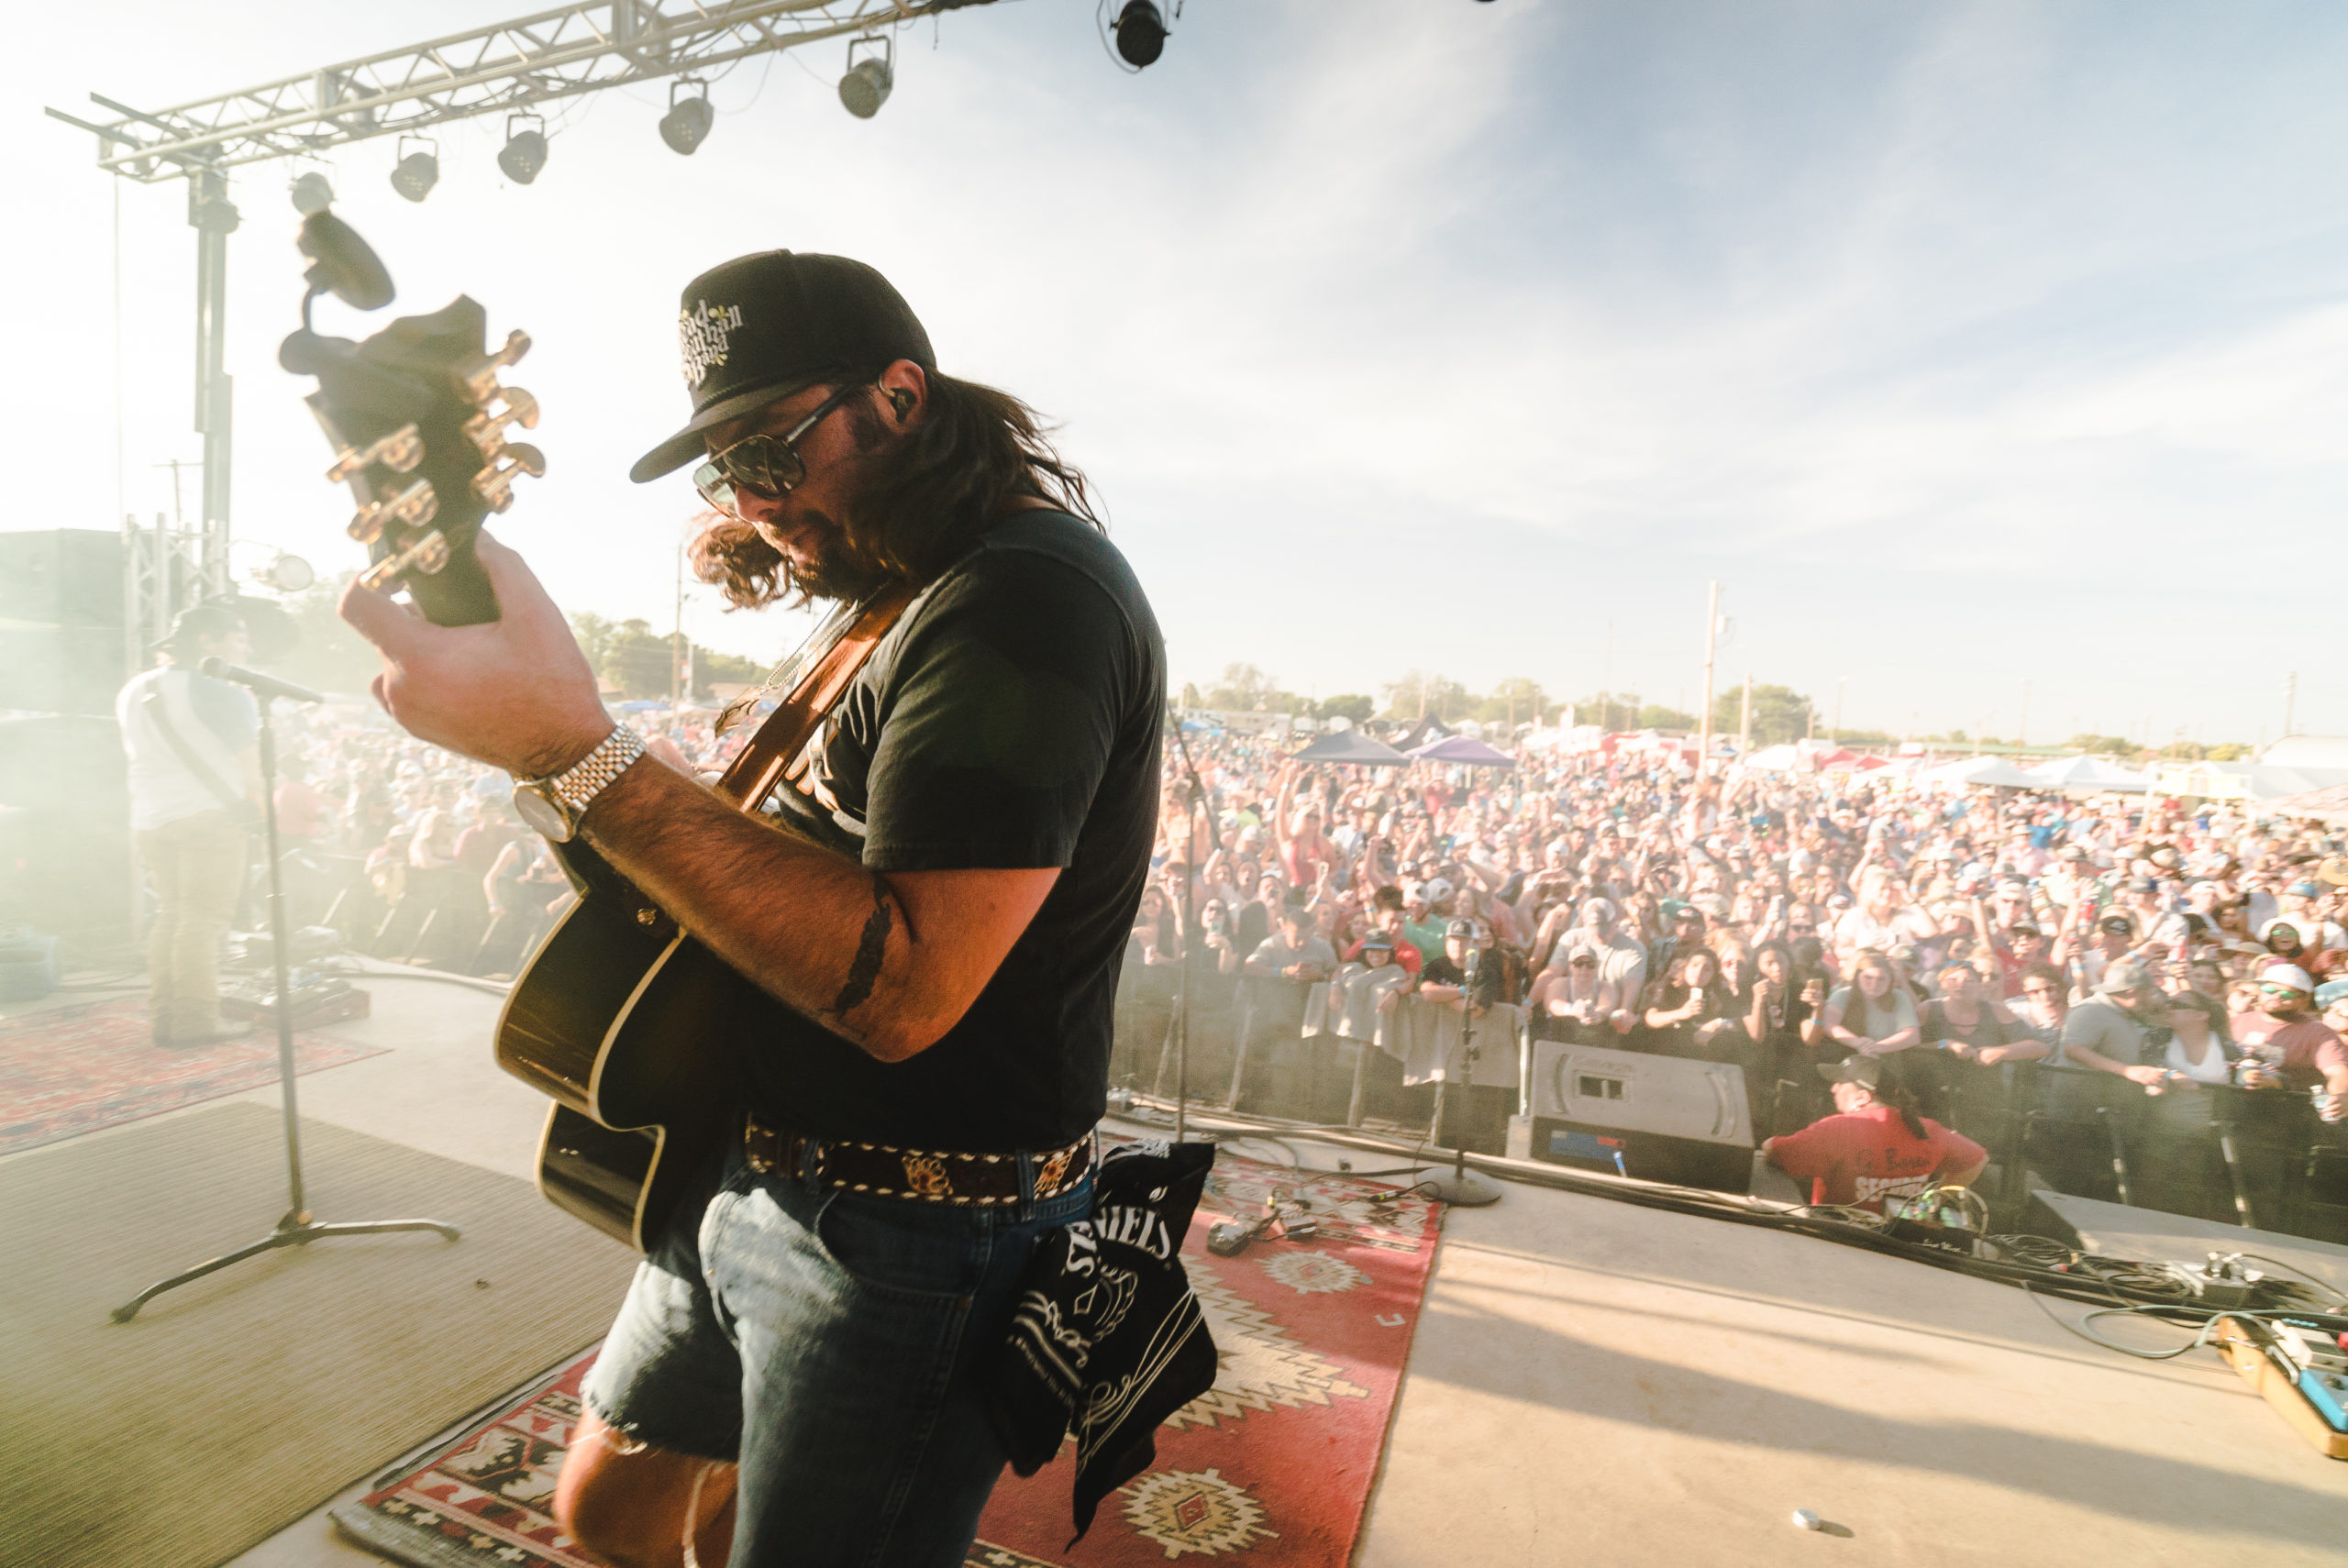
[(831, 1345)]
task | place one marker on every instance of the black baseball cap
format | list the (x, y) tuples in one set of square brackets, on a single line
[(760, 327)]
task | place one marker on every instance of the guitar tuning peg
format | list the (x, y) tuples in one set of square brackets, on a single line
[(411, 507), (505, 405), (427, 555), (495, 484), (479, 378), (400, 451)]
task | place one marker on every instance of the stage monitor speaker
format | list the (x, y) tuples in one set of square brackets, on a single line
[(65, 874), (51, 669), (64, 762), (1657, 1118), (65, 577)]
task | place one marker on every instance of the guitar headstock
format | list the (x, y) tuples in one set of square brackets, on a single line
[(422, 429)]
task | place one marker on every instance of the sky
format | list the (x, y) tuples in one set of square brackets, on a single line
[(1966, 346)]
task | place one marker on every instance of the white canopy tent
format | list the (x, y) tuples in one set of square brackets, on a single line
[(2245, 781), (2086, 773), (1967, 772)]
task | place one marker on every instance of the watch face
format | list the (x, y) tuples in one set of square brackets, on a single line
[(543, 815)]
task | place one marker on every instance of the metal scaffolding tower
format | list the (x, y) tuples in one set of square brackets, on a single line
[(506, 68)]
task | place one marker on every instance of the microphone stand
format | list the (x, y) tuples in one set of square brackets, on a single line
[(1461, 1188), (294, 1227)]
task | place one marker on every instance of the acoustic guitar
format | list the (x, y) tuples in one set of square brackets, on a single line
[(620, 1017)]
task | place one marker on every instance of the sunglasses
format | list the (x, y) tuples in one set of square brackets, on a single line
[(1585, 963), (2279, 990), (2037, 991), (1793, 927), (763, 465)]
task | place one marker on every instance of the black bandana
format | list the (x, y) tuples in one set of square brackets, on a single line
[(1108, 1338)]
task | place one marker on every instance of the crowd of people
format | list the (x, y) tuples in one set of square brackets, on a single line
[(415, 854), (1789, 924)]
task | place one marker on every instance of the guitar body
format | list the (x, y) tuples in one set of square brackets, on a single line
[(628, 1024), (620, 1023)]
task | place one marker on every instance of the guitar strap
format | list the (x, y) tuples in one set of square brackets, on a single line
[(776, 749)]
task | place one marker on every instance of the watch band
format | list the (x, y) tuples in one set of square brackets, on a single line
[(578, 785)]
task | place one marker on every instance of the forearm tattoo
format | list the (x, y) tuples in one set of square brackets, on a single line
[(870, 948)]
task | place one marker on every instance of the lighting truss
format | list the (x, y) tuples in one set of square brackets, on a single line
[(500, 68)]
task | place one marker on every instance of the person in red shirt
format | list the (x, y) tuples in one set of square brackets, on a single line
[(1387, 934), (1875, 1146)]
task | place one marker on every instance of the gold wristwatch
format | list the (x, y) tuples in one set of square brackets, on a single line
[(553, 806)]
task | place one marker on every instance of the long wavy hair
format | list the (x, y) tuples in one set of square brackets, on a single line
[(927, 500)]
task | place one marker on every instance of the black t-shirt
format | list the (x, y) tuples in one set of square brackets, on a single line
[(1490, 975), (1009, 721)]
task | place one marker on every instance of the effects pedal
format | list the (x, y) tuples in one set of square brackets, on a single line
[(317, 1001)]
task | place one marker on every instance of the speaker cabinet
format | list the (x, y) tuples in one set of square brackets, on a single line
[(1657, 1118)]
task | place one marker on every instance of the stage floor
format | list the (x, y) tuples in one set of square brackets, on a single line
[(1594, 1383)]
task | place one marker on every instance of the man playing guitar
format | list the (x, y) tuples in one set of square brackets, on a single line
[(794, 1374)]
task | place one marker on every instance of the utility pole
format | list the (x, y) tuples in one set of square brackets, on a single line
[(2290, 702), (1606, 712), (2022, 726), (1744, 723), (677, 656), (1712, 638), (1834, 736)]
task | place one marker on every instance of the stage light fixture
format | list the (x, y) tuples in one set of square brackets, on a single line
[(312, 193), (416, 172), (1140, 27), (866, 86), (524, 152), (687, 122)]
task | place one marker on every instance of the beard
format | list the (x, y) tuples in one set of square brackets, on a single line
[(836, 569), (833, 569)]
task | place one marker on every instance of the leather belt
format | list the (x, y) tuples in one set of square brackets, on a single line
[(928, 1175)]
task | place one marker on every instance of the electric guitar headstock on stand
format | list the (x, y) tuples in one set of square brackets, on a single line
[(420, 426)]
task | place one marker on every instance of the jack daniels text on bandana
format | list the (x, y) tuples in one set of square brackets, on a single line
[(1107, 1337)]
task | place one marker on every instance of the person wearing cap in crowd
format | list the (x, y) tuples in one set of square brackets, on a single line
[(195, 777), (1423, 924), (943, 925), (2107, 1032), (2302, 903), (1683, 930), (1621, 958), (1577, 1002), (1386, 927), (1876, 1146), (2285, 1036), (2114, 938), (1445, 979)]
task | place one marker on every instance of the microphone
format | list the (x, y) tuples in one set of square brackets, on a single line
[(1475, 954), (260, 685)]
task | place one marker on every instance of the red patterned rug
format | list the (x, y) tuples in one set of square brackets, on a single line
[(1274, 1466), (72, 1069), (481, 1501)]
